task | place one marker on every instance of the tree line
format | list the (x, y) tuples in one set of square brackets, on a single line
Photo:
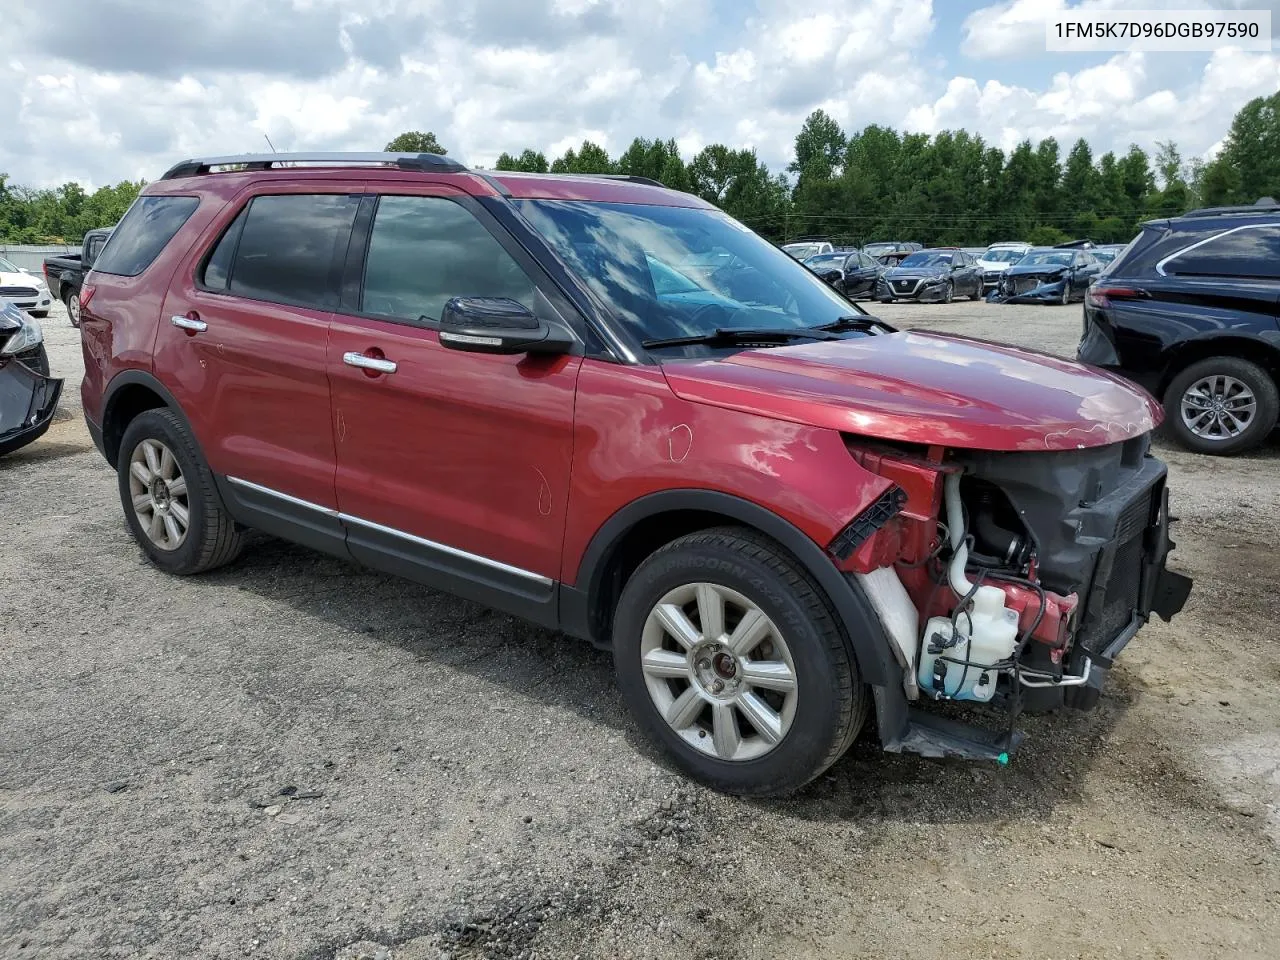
[(877, 183)]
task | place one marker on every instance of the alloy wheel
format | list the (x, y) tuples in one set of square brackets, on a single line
[(718, 671), (159, 493), (73, 309), (1218, 407)]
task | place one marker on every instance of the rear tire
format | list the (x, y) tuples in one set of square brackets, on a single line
[(773, 623), (171, 504), (1240, 403), (73, 307)]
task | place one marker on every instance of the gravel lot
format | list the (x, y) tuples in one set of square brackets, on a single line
[(295, 758)]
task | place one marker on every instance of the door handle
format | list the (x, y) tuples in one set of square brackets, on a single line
[(377, 364), (186, 323)]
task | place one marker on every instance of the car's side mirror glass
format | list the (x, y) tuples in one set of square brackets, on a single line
[(498, 325)]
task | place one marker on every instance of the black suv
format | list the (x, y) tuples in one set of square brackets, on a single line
[(1191, 311)]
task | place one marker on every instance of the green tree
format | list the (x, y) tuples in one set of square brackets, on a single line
[(589, 158), (415, 141), (529, 161), (1248, 166)]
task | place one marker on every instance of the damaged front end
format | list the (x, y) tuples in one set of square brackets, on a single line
[(1043, 287), (28, 396), (1010, 579)]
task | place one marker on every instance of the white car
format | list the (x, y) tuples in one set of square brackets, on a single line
[(998, 258), (24, 289), (808, 248)]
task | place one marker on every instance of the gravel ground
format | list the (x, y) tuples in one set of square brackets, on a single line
[(295, 758)]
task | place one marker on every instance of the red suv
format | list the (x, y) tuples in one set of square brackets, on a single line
[(613, 410)]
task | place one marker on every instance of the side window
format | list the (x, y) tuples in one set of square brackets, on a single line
[(290, 248), (142, 233), (217, 269), (1250, 251), (424, 251)]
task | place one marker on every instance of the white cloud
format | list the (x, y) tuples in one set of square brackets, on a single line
[(1111, 105), (103, 103)]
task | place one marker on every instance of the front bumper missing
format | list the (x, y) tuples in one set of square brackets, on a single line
[(27, 403), (1045, 292)]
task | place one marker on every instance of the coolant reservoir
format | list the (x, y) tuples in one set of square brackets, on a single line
[(985, 636)]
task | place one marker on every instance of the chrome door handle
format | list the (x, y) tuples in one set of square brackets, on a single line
[(186, 323), (369, 363)]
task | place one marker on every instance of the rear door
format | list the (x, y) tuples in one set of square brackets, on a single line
[(243, 344), (453, 467)]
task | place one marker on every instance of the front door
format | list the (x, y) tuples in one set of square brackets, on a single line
[(453, 467), (243, 345)]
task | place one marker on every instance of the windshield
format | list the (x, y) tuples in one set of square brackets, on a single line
[(727, 276), (879, 249), (8, 266), (1103, 255), (1056, 257), (926, 259), (1003, 256)]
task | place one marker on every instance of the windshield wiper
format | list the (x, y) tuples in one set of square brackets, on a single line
[(729, 336), (854, 322)]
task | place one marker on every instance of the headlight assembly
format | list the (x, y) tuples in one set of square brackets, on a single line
[(24, 338)]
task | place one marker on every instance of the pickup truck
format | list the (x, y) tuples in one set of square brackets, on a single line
[(65, 275)]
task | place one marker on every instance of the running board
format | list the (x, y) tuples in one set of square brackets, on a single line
[(933, 736)]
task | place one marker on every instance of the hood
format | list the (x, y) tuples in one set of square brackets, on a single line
[(1038, 270), (925, 388), (905, 273), (8, 279)]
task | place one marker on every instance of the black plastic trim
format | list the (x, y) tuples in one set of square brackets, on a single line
[(865, 524), (865, 635), (472, 580), (310, 526), (119, 382)]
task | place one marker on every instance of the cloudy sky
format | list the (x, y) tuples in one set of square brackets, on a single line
[(100, 90)]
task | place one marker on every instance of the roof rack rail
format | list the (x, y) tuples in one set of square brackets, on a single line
[(422, 162), (1261, 205), (629, 178)]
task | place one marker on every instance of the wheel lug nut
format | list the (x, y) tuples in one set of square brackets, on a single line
[(717, 687)]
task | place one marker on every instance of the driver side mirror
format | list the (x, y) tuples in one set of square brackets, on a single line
[(498, 325)]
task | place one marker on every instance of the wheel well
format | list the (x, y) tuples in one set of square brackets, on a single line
[(1260, 352), (127, 402), (631, 549)]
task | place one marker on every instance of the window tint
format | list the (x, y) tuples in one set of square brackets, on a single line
[(1252, 251), (424, 251), (217, 270), (142, 233), (289, 246)]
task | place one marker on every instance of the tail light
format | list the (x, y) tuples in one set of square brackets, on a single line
[(1101, 295), (86, 294)]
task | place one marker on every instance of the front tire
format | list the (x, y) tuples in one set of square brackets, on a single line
[(729, 656), (949, 293), (1066, 294), (1223, 406), (170, 502)]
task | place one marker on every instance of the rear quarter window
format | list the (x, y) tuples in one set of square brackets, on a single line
[(142, 233), (1251, 251)]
